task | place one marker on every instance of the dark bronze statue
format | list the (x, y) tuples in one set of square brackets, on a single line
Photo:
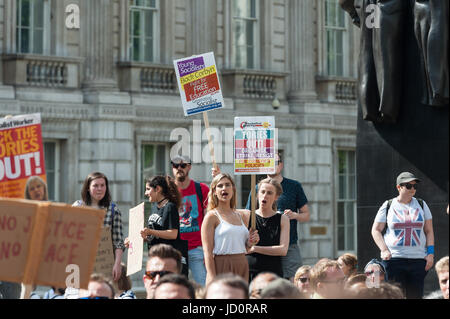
[(431, 29), (382, 53)]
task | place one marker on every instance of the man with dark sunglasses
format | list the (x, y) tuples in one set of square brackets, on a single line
[(193, 208), (162, 260), (407, 247)]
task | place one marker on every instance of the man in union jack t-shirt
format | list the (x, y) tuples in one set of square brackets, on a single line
[(407, 247)]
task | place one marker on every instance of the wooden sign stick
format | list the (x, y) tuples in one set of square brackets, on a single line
[(253, 197), (35, 250), (210, 143)]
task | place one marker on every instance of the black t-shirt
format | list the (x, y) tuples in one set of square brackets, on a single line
[(163, 218), (269, 231)]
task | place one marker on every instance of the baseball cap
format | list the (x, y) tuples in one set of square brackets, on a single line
[(181, 159), (406, 177)]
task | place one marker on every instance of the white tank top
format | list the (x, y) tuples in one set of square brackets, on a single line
[(229, 239)]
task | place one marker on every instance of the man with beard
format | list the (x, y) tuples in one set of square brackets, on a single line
[(293, 203), (194, 202)]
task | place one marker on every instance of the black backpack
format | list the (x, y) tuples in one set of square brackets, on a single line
[(389, 203)]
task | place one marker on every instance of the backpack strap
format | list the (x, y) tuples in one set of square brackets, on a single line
[(389, 203), (113, 211), (420, 202), (198, 190)]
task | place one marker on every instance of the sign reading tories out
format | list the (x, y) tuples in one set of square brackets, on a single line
[(198, 83), (21, 153), (255, 145)]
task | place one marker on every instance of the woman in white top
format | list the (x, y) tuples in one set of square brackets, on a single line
[(225, 236)]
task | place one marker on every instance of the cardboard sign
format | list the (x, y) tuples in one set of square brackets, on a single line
[(38, 240), (136, 248), (255, 145), (198, 83), (104, 261), (21, 153), (16, 225)]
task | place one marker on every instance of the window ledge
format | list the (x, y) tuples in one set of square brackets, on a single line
[(41, 70), (254, 84), (337, 89), (147, 77)]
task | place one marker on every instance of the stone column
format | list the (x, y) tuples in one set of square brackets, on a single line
[(99, 82), (203, 26), (302, 30)]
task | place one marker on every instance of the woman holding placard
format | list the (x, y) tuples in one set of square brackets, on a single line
[(95, 193), (163, 225), (273, 228), (225, 235)]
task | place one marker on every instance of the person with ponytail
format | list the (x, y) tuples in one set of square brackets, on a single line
[(164, 221)]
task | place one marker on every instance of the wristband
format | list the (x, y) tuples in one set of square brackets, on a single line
[(430, 250)]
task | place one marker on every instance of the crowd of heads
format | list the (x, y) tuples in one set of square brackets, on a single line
[(327, 279)]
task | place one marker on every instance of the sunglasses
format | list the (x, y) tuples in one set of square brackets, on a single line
[(409, 186), (369, 273), (303, 280), (152, 274), (183, 165), (94, 298)]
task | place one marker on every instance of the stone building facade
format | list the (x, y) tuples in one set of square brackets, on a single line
[(108, 98)]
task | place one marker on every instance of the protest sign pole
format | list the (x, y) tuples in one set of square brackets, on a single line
[(25, 292), (210, 143), (253, 197), (35, 250)]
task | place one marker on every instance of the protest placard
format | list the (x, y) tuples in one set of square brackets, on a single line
[(198, 83), (104, 260), (21, 153), (254, 145), (38, 240), (136, 247)]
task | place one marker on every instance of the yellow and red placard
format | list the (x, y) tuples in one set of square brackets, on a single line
[(198, 83), (21, 153)]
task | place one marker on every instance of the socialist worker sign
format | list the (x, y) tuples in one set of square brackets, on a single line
[(21, 153)]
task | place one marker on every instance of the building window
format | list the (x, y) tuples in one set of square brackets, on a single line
[(346, 202), (143, 27), (154, 161), (245, 34), (33, 20), (52, 169), (335, 36)]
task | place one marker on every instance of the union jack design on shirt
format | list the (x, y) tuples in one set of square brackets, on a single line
[(407, 227)]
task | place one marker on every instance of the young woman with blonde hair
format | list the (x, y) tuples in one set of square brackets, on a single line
[(225, 234)]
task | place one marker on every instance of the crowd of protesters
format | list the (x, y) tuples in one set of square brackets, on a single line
[(201, 246)]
